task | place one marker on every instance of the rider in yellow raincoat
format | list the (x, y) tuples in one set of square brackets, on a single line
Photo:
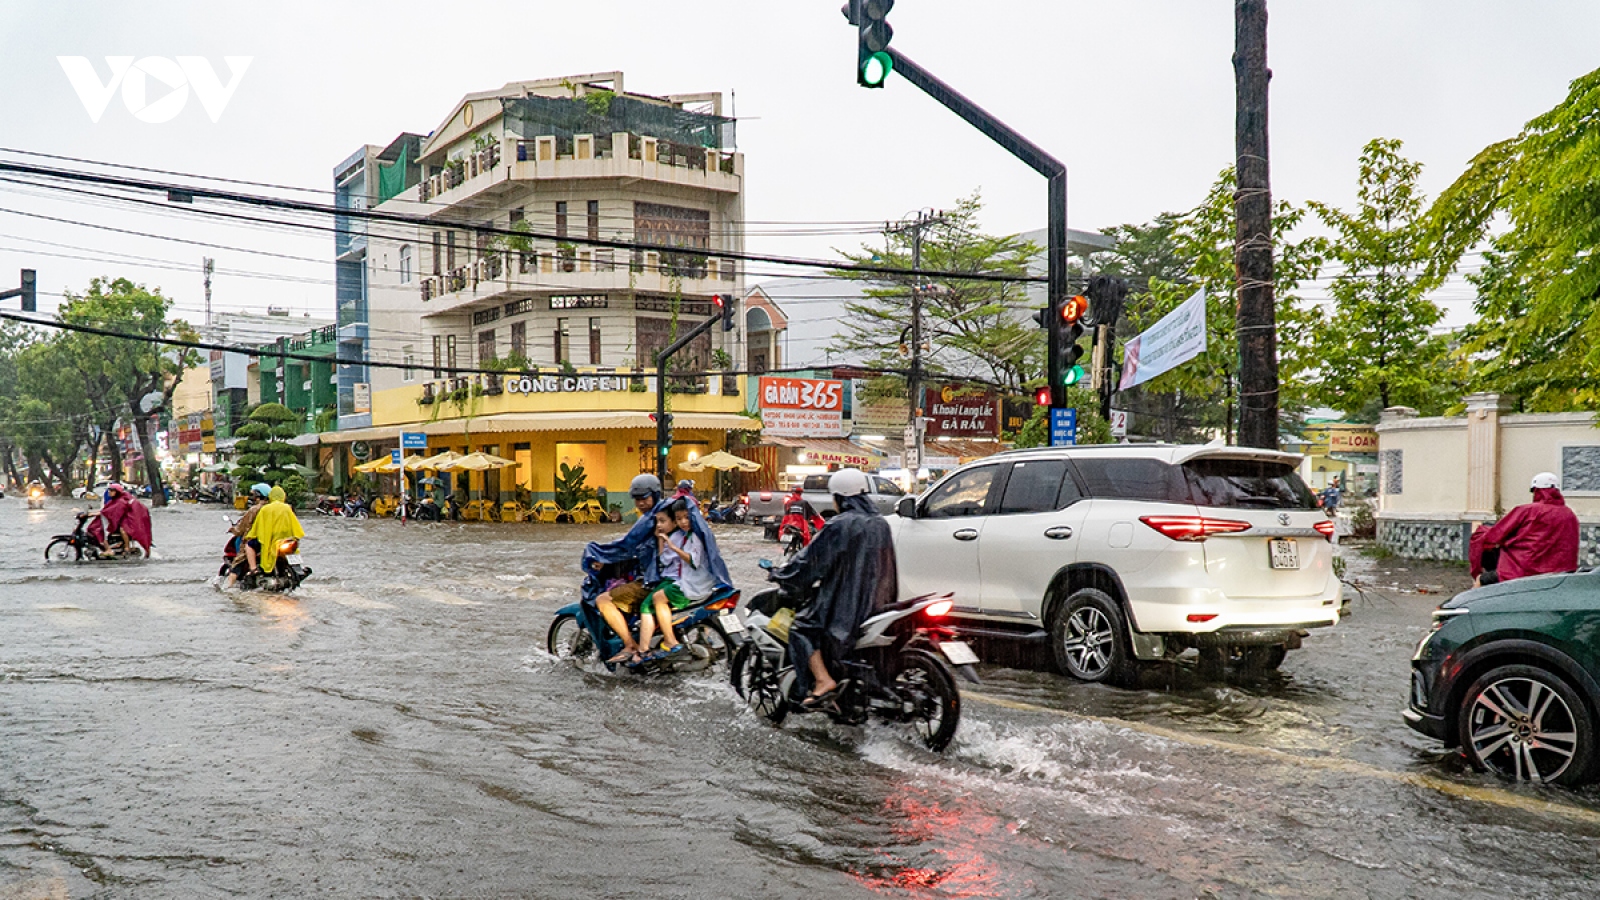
[(274, 523)]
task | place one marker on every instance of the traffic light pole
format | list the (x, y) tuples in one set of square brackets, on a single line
[(1041, 162), (663, 424)]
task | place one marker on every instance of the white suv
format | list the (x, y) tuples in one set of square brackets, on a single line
[(1115, 553)]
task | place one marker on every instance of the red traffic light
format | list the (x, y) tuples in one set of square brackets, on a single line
[(1041, 397), (1074, 309)]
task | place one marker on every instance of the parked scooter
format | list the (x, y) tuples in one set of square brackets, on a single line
[(899, 670), (731, 513)]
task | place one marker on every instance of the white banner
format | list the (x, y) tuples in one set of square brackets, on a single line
[(1179, 336)]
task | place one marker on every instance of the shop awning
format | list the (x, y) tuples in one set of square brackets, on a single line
[(587, 421), (829, 451), (304, 440), (380, 433)]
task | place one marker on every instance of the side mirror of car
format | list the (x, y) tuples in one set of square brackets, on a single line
[(906, 508)]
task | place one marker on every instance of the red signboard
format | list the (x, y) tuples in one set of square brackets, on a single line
[(802, 407), (958, 411)]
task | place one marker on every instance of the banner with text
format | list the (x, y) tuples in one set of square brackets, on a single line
[(957, 411), (802, 407), (1179, 337)]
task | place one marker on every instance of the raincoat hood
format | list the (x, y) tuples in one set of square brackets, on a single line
[(1551, 496), (275, 522)]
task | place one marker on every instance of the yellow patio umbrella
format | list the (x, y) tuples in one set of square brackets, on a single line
[(720, 459), (414, 463), (378, 465), (437, 461), (479, 462)]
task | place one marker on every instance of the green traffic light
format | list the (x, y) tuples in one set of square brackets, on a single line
[(1072, 376), (876, 69)]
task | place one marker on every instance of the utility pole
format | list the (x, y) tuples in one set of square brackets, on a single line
[(206, 267), (1257, 321), (916, 226)]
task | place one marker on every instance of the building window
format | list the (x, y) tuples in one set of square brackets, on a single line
[(450, 251), (563, 342), (436, 253), (561, 218), (437, 371), (450, 351), (594, 219), (410, 372), (519, 339), (486, 352), (405, 263), (516, 216), (594, 342)]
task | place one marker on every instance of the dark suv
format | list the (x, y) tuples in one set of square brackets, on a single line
[(1511, 674)]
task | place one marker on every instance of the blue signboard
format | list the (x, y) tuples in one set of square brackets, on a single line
[(413, 440), (1063, 427), (394, 457)]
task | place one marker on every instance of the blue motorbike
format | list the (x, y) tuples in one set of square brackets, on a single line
[(710, 630)]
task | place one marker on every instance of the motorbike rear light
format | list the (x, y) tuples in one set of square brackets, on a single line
[(1201, 617), (1193, 528), (1326, 527), (288, 546), (938, 608), (745, 499)]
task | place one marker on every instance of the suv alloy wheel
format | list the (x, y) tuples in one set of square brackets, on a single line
[(1526, 723), (1090, 639)]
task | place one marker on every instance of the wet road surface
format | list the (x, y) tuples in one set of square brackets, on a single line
[(396, 729)]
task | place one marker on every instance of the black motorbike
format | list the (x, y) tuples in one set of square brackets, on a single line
[(731, 513), (899, 669), (285, 576), (79, 546)]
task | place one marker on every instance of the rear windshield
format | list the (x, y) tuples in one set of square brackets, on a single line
[(816, 483), (1247, 484)]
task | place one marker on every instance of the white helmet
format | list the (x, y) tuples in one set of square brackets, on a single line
[(1544, 480), (848, 483)]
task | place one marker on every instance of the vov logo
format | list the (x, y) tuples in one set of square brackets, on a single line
[(154, 88)]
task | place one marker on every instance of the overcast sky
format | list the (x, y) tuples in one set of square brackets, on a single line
[(1136, 97)]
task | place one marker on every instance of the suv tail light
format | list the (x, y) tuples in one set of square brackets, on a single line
[(1325, 527), (1193, 528)]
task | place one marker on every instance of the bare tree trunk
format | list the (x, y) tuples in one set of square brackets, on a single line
[(62, 478), (11, 464), (115, 449), (1257, 319), (144, 426)]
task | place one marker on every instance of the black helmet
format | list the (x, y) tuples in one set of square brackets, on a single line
[(644, 486)]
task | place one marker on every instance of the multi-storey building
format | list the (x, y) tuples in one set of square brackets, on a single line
[(572, 230)]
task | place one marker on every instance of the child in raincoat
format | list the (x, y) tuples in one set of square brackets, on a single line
[(274, 523)]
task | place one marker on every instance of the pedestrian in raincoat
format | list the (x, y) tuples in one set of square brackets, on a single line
[(274, 523), (853, 559)]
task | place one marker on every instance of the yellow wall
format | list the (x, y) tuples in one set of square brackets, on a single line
[(399, 406), (193, 394)]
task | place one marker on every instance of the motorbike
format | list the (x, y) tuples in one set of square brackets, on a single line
[(285, 576), (901, 668), (798, 527), (80, 546), (709, 629), (350, 508), (731, 513), (35, 497)]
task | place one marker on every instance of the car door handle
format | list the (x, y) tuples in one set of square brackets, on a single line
[(1058, 533), (965, 534)]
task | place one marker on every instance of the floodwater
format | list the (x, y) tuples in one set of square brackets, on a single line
[(396, 729)]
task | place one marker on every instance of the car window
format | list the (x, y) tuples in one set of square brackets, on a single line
[(1070, 493), (887, 487), (815, 483), (1034, 486), (1132, 479), (964, 494), (1247, 484)]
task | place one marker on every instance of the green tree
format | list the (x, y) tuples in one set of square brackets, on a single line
[(1092, 429), (1204, 236), (1377, 342), (1531, 203), (976, 329), (137, 374), (264, 452)]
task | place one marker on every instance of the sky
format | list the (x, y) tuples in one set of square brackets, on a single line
[(1136, 97)]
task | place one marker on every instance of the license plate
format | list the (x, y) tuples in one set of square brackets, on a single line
[(958, 653), (730, 622), (294, 559), (1285, 553)]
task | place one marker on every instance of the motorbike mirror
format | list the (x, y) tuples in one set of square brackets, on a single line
[(765, 564)]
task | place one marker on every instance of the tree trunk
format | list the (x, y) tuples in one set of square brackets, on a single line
[(115, 449), (34, 473), (1257, 320), (143, 426), (11, 464), (92, 469), (63, 478)]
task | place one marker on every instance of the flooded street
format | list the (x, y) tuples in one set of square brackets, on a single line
[(396, 729)]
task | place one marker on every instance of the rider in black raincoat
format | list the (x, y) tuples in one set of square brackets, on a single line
[(853, 559)]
